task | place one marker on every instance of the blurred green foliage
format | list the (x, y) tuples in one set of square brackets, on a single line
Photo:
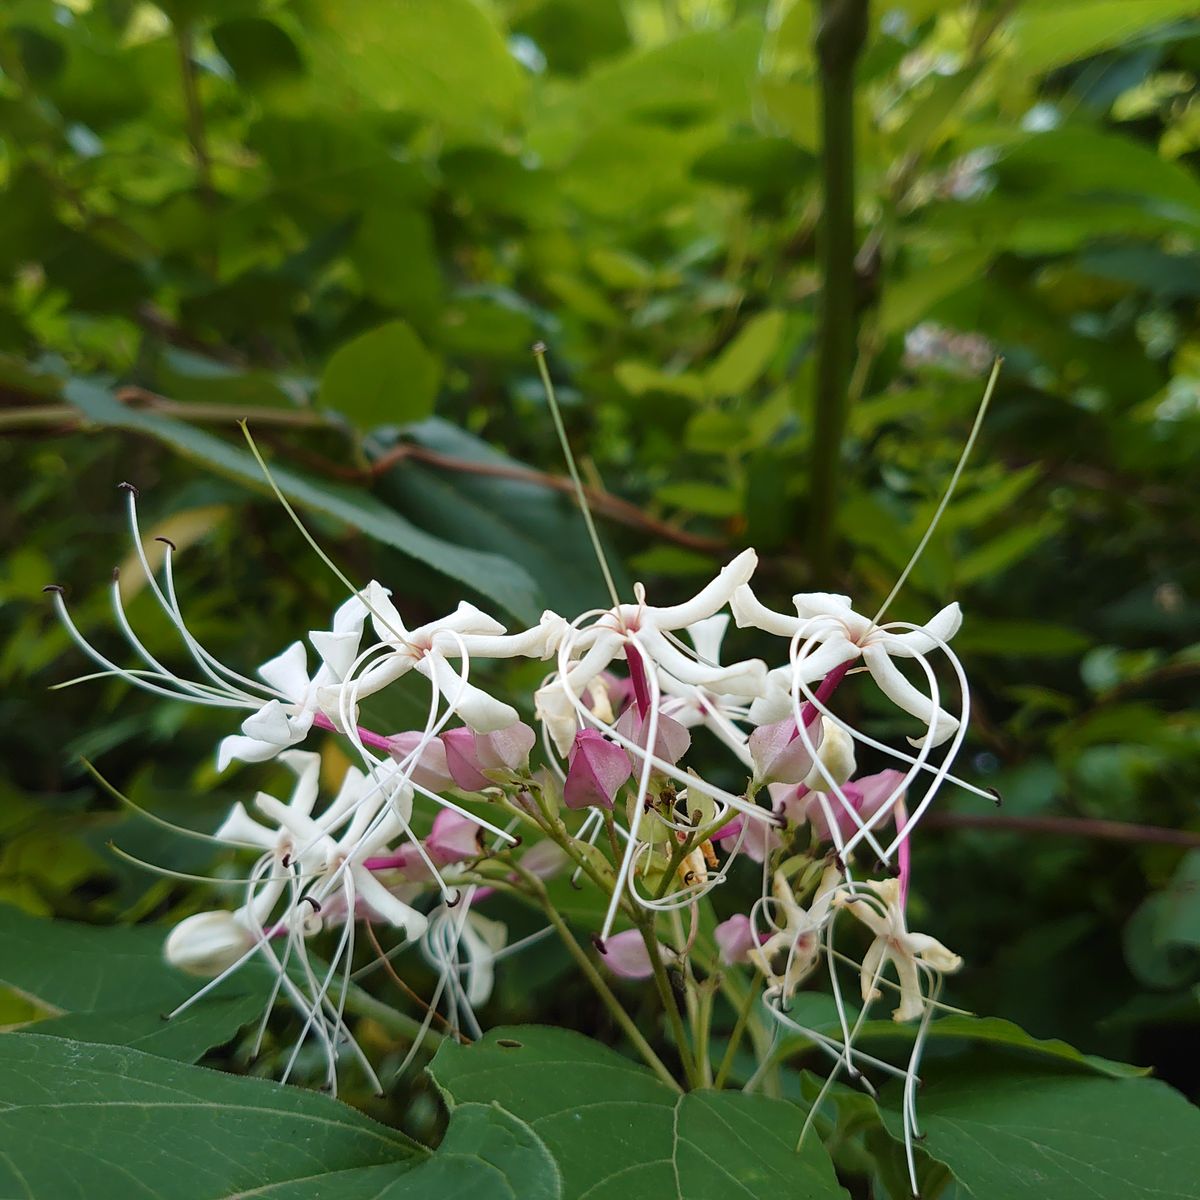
[(349, 220)]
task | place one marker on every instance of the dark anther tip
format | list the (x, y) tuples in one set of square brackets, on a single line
[(839, 863), (129, 487), (285, 862), (55, 587), (116, 574), (517, 841), (166, 541), (454, 903), (995, 795), (598, 942), (575, 884), (539, 347), (164, 1016), (380, 1095), (315, 906)]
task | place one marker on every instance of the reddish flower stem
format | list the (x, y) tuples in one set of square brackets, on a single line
[(368, 737)]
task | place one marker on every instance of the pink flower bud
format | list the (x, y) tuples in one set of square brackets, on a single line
[(505, 749), (596, 769), (866, 796), (779, 752), (735, 939), (671, 741), (462, 761), (625, 955), (430, 771), (452, 838), (470, 755)]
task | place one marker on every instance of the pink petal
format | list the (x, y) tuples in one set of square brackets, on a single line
[(779, 753), (453, 838), (596, 770), (671, 741), (462, 761), (505, 749), (626, 955), (735, 939), (431, 771)]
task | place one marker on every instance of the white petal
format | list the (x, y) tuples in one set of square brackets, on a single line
[(904, 695), (207, 943), (740, 679), (244, 749), (240, 826), (484, 713), (306, 766), (944, 625), (710, 599), (269, 724), (825, 655), (707, 635), (466, 618), (532, 643), (391, 908), (554, 709), (287, 673), (750, 613), (822, 604), (337, 650), (351, 614), (385, 619), (385, 671)]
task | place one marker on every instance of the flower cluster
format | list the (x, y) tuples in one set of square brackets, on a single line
[(428, 823)]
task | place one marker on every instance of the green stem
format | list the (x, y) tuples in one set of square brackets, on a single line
[(840, 34), (735, 1037), (194, 109), (667, 996), (598, 982)]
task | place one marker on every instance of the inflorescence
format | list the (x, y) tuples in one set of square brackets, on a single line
[(613, 799)]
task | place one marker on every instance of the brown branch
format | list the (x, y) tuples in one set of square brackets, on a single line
[(1078, 827), (602, 502), (65, 417)]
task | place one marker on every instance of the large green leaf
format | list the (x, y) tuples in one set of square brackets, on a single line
[(100, 1122), (1049, 34), (504, 582), (441, 58), (535, 530), (487, 1154), (383, 375), (111, 984), (618, 1132), (1011, 1135)]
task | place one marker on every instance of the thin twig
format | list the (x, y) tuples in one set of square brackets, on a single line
[(1078, 827)]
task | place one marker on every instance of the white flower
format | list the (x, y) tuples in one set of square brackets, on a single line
[(789, 955), (838, 636), (638, 632), (286, 719), (893, 943), (467, 633)]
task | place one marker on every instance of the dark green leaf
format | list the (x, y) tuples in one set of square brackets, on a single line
[(385, 375), (618, 1133), (504, 582), (102, 1123)]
